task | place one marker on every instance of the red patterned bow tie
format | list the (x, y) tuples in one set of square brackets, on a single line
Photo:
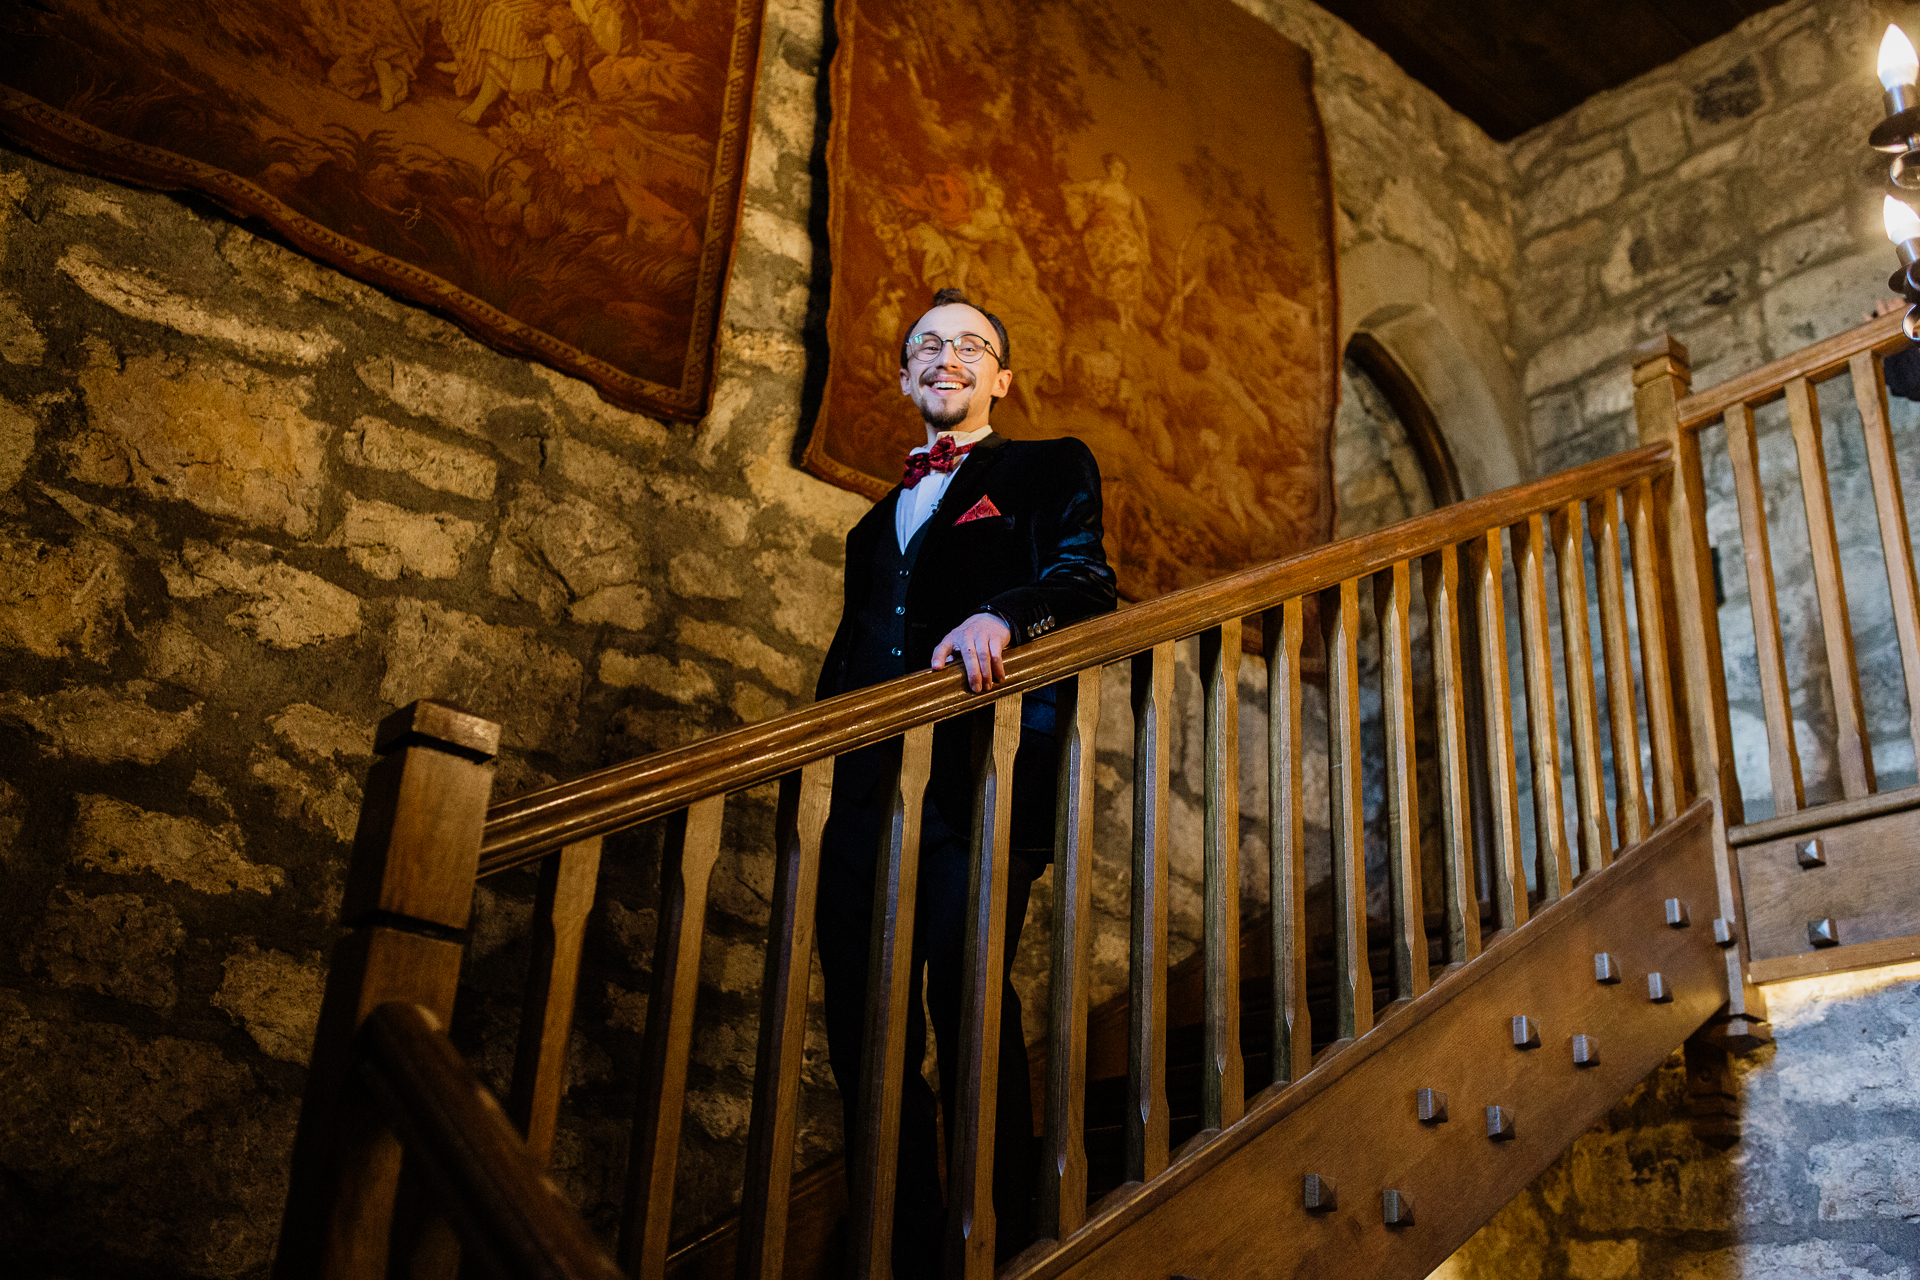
[(944, 456)]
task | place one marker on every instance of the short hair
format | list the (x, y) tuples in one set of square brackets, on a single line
[(948, 297)]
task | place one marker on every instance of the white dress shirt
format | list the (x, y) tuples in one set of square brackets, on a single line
[(918, 503)]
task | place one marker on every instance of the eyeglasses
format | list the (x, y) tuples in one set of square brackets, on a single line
[(969, 347)]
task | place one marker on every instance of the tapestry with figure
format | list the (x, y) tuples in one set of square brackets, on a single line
[(1139, 189), (562, 177)]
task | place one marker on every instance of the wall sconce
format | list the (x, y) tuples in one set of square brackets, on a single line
[(1899, 133)]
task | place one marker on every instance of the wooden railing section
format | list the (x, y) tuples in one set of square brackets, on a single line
[(417, 834), (1828, 886)]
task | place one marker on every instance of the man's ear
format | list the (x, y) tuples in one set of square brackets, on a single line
[(906, 381), (1001, 381)]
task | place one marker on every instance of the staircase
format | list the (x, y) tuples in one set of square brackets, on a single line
[(1283, 1104)]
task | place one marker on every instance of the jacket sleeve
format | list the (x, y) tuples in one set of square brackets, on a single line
[(1075, 580)]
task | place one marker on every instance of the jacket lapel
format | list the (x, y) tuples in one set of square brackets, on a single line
[(968, 484)]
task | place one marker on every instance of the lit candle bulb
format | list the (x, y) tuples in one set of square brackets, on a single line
[(1903, 226), (1898, 64)]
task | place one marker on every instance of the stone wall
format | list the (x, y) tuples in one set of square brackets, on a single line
[(248, 505), (1824, 1183)]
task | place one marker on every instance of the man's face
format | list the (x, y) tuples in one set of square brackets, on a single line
[(951, 394)]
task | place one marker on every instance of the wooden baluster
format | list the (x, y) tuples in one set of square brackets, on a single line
[(1623, 720), (1851, 743), (1783, 753), (1441, 575), (1353, 980), (1490, 609), (1063, 1170), (561, 905), (1281, 633), (1392, 601), (1870, 393), (1700, 729), (1147, 1115), (970, 1220), (1223, 1078), (883, 1050), (1576, 643), (692, 847), (1644, 541), (798, 824), (1543, 728), (409, 885)]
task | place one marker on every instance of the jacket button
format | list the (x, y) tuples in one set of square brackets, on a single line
[(899, 608), (903, 573), (896, 653)]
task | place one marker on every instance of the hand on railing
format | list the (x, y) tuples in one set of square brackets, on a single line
[(979, 642)]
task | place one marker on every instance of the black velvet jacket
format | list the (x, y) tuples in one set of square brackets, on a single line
[(1038, 564)]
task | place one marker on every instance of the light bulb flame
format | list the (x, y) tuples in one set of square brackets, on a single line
[(1898, 64), (1901, 222)]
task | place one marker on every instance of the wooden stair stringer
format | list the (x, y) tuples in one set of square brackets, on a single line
[(1234, 1208)]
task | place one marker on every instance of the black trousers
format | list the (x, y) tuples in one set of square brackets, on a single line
[(844, 929)]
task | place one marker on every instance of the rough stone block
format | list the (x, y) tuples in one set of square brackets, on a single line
[(388, 541), (628, 607), (502, 673), (1603, 1259), (329, 801), (287, 608), (118, 944), (58, 601), (745, 650), (1825, 300), (113, 836), (450, 399), (17, 430), (1658, 140), (1576, 190), (230, 440), (322, 735), (1565, 359), (98, 724), (683, 681), (21, 342), (377, 444), (276, 997)]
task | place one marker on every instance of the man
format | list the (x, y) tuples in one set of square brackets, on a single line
[(986, 544)]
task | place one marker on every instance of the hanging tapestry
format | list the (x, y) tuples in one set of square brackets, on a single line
[(1139, 189), (562, 177)]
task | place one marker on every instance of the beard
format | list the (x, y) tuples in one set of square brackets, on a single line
[(951, 415)]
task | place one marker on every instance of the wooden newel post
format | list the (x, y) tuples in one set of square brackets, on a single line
[(408, 895), (1662, 376)]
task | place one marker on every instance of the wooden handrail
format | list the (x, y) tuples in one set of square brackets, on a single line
[(521, 830), (1881, 335), (507, 1212)]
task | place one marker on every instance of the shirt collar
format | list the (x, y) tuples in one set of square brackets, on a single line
[(961, 439)]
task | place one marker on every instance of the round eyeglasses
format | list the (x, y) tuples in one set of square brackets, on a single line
[(968, 346)]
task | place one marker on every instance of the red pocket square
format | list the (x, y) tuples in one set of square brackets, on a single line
[(980, 510)]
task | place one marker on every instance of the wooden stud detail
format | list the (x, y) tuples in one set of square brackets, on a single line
[(1657, 989), (1824, 932), (1319, 1194), (1430, 1105), (1723, 934), (1396, 1208), (1500, 1124), (1604, 968), (1586, 1051), (1811, 854), (1526, 1032), (1678, 917)]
